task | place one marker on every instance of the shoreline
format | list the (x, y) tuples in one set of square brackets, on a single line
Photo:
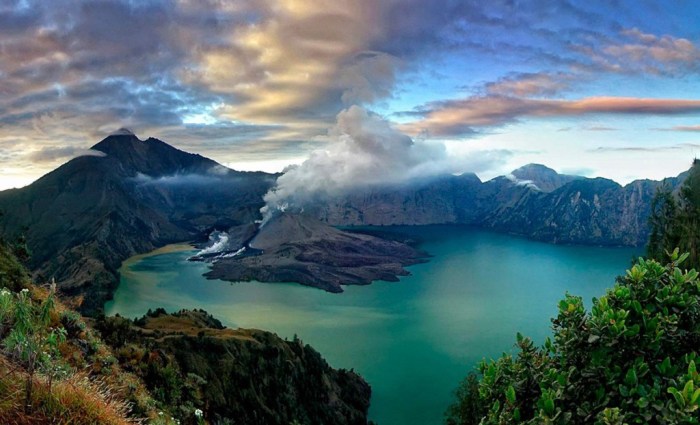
[(167, 249)]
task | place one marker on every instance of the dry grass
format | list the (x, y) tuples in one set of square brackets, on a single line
[(98, 395), (74, 401)]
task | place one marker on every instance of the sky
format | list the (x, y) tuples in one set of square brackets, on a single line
[(596, 88)]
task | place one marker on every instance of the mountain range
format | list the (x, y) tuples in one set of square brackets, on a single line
[(87, 216)]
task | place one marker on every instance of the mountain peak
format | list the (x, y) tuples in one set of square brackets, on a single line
[(123, 131), (541, 176), (151, 157), (531, 169)]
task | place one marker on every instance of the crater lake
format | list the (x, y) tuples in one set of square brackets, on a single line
[(412, 340)]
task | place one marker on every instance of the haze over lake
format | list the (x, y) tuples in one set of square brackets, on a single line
[(413, 340)]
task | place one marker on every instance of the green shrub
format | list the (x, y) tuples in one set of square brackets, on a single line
[(27, 337), (631, 359)]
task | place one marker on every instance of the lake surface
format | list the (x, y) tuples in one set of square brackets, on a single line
[(412, 340)]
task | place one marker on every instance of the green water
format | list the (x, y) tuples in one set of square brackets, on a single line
[(412, 340)]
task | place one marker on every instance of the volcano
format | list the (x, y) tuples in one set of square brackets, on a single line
[(302, 249)]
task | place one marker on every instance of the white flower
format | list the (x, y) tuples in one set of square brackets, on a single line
[(25, 290), (160, 413), (198, 413)]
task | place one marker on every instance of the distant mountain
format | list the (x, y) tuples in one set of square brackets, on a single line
[(84, 218), (533, 201), (87, 216)]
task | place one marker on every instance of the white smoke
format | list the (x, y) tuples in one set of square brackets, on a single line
[(518, 182), (219, 243), (364, 150)]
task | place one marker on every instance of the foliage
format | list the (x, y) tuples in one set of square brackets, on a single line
[(468, 410), (13, 274), (52, 367), (631, 359), (29, 340), (675, 220), (190, 363)]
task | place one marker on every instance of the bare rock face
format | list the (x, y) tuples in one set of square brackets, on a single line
[(299, 248)]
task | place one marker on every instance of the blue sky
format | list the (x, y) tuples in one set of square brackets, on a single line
[(602, 88)]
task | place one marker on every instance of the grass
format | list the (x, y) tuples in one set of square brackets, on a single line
[(76, 400)]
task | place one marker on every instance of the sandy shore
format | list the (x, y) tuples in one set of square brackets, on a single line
[(167, 249)]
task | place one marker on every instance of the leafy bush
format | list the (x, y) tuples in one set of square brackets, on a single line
[(631, 359)]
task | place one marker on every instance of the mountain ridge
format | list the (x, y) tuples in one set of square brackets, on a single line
[(87, 216)]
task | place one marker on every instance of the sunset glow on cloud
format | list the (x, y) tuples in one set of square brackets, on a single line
[(259, 84)]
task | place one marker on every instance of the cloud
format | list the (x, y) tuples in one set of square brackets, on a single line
[(691, 128), (641, 52), (679, 146), (364, 151), (530, 84), (600, 128), (51, 154), (461, 117), (251, 79)]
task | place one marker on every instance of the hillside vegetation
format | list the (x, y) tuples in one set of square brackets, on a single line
[(633, 358), (53, 368), (675, 220), (189, 360), (183, 368)]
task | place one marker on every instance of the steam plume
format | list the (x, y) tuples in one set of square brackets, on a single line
[(364, 151)]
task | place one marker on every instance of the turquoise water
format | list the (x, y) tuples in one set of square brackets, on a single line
[(412, 340)]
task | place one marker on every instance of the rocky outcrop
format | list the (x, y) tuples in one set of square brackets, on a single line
[(299, 248), (435, 201)]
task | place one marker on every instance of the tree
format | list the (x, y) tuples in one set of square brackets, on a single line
[(688, 222), (631, 359), (662, 220), (675, 220)]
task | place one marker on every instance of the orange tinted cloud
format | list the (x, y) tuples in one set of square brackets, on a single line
[(460, 117)]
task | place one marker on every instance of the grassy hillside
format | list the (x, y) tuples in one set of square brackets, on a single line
[(54, 369)]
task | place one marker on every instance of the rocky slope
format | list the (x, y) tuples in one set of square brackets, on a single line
[(299, 248)]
